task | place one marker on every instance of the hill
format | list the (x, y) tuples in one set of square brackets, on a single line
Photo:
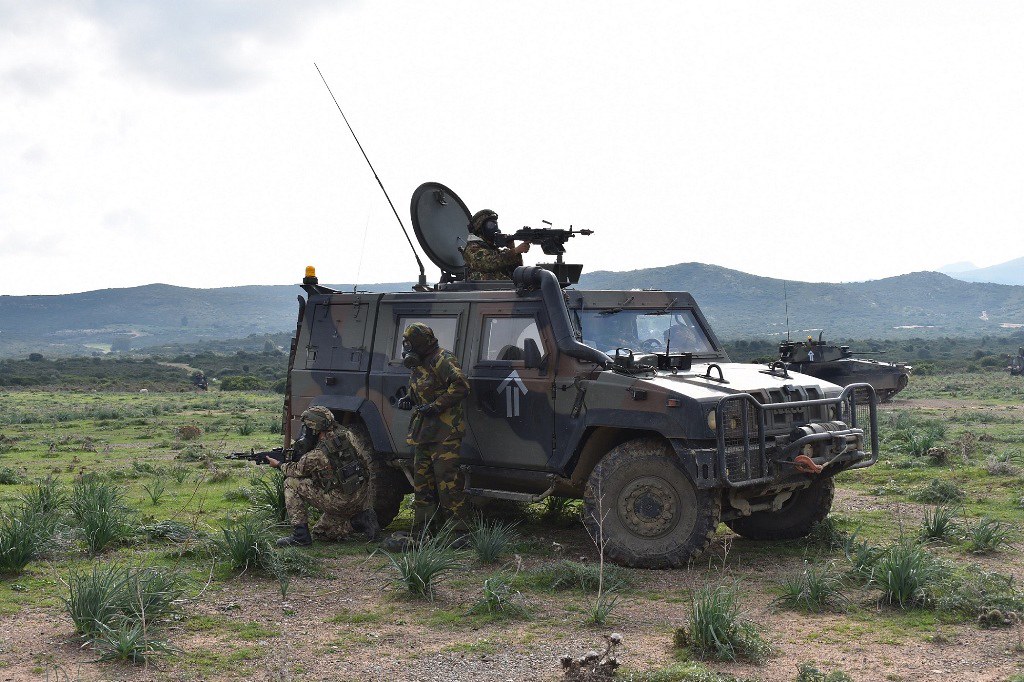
[(740, 306), (1010, 272)]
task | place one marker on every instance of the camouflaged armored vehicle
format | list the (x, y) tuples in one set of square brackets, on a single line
[(837, 364), (625, 399)]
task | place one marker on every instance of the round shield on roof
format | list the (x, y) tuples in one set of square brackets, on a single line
[(441, 222)]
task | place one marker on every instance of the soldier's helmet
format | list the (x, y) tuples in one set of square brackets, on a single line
[(421, 338), (319, 418), (479, 219)]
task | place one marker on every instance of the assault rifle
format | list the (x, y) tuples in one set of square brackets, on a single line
[(280, 454), (552, 241)]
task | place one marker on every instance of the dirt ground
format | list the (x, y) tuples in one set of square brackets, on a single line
[(403, 640)]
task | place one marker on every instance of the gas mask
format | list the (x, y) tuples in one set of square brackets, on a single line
[(410, 358), (490, 233)]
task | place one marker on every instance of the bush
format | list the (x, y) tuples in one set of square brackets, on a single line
[(19, 539), (499, 599), (100, 512), (9, 476), (939, 524), (861, 554), (573, 575), (988, 535), (189, 432), (716, 630), (245, 382), (120, 608), (816, 589), (267, 495), (423, 566), (492, 539), (939, 491), (970, 592), (244, 543), (907, 575), (808, 672)]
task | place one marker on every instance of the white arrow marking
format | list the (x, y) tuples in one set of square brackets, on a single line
[(509, 386)]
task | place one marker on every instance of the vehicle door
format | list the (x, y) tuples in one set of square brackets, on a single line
[(510, 411), (389, 379)]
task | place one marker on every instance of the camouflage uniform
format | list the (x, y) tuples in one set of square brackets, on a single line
[(331, 477), (438, 387), (484, 260)]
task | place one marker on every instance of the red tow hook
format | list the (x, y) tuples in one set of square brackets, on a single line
[(806, 465)]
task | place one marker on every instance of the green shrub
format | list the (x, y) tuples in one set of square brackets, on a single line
[(9, 476), (574, 575), (246, 428), (155, 489), (970, 592), (826, 534), (169, 530), (939, 491), (907, 575), (939, 524), (19, 539), (100, 513), (492, 539), (987, 535), (46, 497), (245, 382), (815, 589), (423, 566), (861, 554), (808, 672), (717, 631), (499, 599), (267, 494), (244, 543), (109, 601), (129, 641)]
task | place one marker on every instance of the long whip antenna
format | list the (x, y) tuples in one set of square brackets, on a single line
[(423, 276), (785, 295)]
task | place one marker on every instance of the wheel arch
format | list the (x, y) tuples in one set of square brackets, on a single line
[(597, 441)]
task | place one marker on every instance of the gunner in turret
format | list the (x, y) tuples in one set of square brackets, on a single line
[(485, 260)]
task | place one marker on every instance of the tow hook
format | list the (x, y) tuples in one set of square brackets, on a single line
[(806, 465)]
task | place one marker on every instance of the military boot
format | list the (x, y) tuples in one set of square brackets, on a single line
[(300, 537), (366, 523)]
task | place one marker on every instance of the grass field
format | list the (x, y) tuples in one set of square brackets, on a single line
[(873, 594)]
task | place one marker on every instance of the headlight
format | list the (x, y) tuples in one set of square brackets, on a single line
[(712, 422)]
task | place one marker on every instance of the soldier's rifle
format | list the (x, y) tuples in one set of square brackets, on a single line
[(280, 454)]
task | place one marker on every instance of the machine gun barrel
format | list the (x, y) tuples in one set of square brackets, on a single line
[(551, 240), (280, 454)]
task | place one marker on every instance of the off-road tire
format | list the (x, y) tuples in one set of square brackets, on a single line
[(796, 518), (653, 515), (388, 486)]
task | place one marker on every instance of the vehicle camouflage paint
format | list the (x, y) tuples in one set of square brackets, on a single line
[(625, 399), (838, 365)]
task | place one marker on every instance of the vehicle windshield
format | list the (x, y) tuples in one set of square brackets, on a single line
[(643, 330)]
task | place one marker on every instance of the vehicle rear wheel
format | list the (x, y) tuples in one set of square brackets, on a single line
[(649, 512), (796, 518), (388, 486)]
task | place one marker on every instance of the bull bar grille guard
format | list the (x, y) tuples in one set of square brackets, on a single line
[(742, 452)]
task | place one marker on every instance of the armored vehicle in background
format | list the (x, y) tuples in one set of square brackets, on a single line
[(625, 399), (838, 365), (1016, 366)]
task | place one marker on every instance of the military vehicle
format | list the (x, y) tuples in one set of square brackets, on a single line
[(838, 365), (1016, 366), (625, 399)]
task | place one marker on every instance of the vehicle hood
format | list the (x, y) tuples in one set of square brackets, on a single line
[(739, 378)]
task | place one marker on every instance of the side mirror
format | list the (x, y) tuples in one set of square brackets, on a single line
[(531, 354)]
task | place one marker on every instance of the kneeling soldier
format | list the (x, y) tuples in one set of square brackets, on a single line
[(332, 478)]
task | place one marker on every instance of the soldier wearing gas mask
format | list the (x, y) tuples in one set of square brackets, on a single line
[(332, 477), (486, 256), (437, 389)]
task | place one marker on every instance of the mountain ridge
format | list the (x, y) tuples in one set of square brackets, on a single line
[(739, 306)]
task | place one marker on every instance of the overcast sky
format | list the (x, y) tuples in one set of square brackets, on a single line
[(193, 143)]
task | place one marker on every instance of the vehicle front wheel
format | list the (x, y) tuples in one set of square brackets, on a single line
[(640, 502), (388, 486), (796, 518)]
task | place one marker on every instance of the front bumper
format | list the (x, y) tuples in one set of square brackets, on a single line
[(830, 435)]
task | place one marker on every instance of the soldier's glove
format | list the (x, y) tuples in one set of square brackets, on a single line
[(427, 410), (404, 403)]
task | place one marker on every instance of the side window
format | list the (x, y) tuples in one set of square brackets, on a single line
[(504, 338), (444, 329)]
